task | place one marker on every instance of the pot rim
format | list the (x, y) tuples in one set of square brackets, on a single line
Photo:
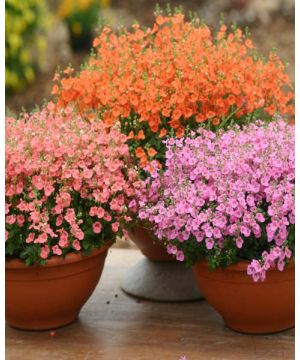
[(241, 265), (57, 260)]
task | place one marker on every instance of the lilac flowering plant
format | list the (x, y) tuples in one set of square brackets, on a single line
[(226, 196)]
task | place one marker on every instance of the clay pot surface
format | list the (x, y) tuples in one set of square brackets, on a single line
[(50, 296), (247, 306), (145, 241)]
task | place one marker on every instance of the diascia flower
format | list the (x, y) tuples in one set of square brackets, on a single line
[(226, 196), (174, 77), (68, 184)]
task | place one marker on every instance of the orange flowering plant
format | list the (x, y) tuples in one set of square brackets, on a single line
[(175, 77)]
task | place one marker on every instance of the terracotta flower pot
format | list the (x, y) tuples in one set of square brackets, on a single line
[(247, 306), (50, 296), (145, 241)]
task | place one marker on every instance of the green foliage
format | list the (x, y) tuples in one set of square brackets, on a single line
[(25, 43)]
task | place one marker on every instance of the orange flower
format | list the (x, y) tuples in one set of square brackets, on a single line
[(139, 152), (159, 91), (163, 132), (141, 135), (130, 135), (143, 161), (91, 117), (210, 114), (152, 152), (249, 44), (55, 90), (215, 121), (180, 132)]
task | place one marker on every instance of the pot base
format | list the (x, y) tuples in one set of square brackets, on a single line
[(265, 330), (36, 326), (161, 281)]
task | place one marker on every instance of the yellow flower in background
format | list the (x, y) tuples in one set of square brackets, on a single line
[(70, 7), (29, 74), (82, 17), (25, 56), (25, 40), (105, 3), (76, 28), (84, 4)]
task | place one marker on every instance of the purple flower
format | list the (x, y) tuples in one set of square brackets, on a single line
[(209, 243), (239, 242), (218, 187)]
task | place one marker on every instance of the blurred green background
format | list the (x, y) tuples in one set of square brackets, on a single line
[(44, 34)]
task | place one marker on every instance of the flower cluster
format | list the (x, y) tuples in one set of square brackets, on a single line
[(25, 41), (174, 77), (226, 196), (68, 184)]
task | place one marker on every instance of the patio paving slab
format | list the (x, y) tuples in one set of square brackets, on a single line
[(115, 326)]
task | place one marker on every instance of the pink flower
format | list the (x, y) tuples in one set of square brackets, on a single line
[(20, 220), (48, 190), (93, 211), (100, 212), (41, 239), (59, 220), (35, 216), (6, 208), (79, 234), (44, 252), (80, 164), (30, 238), (38, 182), (260, 217), (222, 184), (56, 250), (107, 217), (10, 219), (115, 226), (63, 242), (288, 253), (280, 265), (76, 245), (179, 256), (239, 242), (171, 249), (97, 227), (209, 243)]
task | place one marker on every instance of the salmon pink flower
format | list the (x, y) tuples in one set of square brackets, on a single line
[(10, 219), (61, 172), (44, 252), (97, 227), (56, 250), (20, 220), (115, 226), (30, 238), (76, 245)]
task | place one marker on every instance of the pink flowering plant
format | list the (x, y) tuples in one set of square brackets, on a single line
[(68, 183), (226, 196)]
